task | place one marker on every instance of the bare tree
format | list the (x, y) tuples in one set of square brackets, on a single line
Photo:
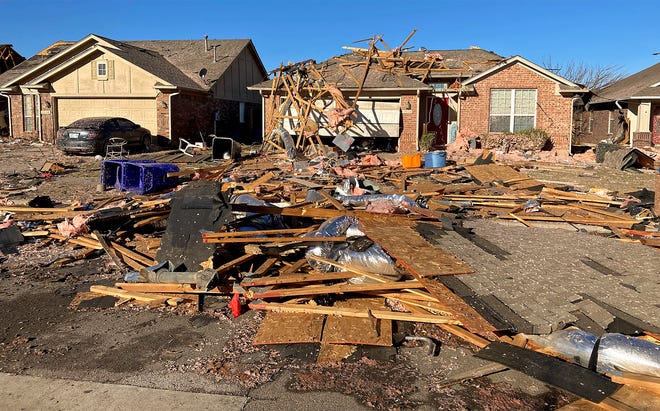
[(592, 77)]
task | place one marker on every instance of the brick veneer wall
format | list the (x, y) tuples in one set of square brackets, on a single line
[(409, 138), (553, 111)]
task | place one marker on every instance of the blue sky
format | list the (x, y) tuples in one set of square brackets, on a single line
[(592, 32)]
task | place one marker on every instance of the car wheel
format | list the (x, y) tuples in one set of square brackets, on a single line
[(146, 143)]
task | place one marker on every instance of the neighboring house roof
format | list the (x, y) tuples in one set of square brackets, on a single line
[(565, 85), (643, 84), (179, 63)]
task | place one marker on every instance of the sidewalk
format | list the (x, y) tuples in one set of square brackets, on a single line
[(20, 392)]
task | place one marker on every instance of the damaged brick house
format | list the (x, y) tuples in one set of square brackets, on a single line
[(174, 88), (444, 92), (626, 111), (9, 58)]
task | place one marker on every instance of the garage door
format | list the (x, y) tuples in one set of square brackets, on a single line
[(138, 110)]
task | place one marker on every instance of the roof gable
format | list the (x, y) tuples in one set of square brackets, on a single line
[(179, 63), (565, 84)]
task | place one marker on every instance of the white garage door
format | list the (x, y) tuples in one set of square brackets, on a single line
[(139, 110)]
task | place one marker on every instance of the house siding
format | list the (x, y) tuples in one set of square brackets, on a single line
[(553, 111)]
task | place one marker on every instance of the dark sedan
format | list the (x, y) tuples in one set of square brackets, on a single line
[(91, 134)]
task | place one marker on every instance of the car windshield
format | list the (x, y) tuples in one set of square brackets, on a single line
[(92, 122)]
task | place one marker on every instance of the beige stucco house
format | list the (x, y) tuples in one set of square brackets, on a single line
[(174, 88)]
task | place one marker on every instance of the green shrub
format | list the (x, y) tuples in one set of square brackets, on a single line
[(426, 141)]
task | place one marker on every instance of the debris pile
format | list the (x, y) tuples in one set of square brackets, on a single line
[(335, 251)]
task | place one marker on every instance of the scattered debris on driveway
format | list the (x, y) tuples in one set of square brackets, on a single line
[(338, 251)]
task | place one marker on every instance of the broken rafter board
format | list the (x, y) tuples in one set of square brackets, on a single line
[(252, 240), (171, 288), (147, 262), (82, 241), (305, 183), (363, 331), (335, 203), (552, 193), (601, 211), (567, 376), (330, 354), (119, 293), (19, 210), (296, 279), (410, 249), (80, 256), (234, 263), (106, 247), (462, 311), (335, 289), (258, 232), (292, 268), (265, 266), (145, 214), (487, 173), (353, 312), (261, 180), (284, 328), (150, 220), (455, 330), (651, 242), (518, 218), (135, 265), (358, 272)]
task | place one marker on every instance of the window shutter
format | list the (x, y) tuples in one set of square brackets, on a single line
[(111, 69), (94, 71)]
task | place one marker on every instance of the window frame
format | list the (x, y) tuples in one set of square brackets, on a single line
[(102, 64), (29, 113), (512, 109)]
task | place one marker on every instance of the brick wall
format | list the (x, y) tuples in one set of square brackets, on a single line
[(553, 111), (408, 138)]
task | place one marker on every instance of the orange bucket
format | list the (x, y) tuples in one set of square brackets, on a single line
[(411, 161)]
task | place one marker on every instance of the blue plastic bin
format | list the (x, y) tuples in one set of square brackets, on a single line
[(143, 178), (112, 171), (435, 159)]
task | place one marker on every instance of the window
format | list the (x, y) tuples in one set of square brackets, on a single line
[(512, 110), (612, 122), (28, 112), (102, 69)]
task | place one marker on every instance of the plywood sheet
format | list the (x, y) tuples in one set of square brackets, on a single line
[(410, 249), (347, 330), (487, 173), (288, 328), (334, 353)]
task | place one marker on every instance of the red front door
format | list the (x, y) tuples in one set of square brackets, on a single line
[(436, 118)]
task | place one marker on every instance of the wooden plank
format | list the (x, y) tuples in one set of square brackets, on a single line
[(286, 328), (170, 288), (335, 289), (106, 247), (363, 273), (295, 279), (334, 353), (352, 312), (261, 180), (259, 232), (410, 249), (117, 292), (260, 240), (335, 203), (147, 262), (234, 263), (364, 331)]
